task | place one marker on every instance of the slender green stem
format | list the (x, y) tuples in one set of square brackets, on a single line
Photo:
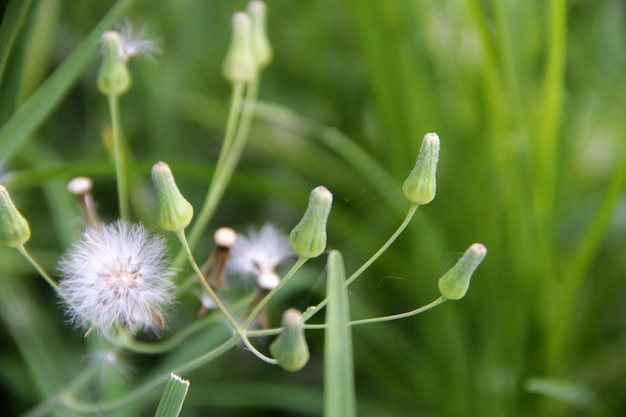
[(183, 240), (391, 317), (44, 274), (257, 309), (127, 340), (322, 326), (45, 408), (142, 393), (231, 124), (119, 150), (218, 302), (412, 209), (258, 354), (235, 138)]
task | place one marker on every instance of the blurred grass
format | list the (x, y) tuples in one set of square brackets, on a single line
[(528, 99)]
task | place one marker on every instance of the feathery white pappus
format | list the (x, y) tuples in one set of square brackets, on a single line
[(259, 253), (116, 275), (134, 41)]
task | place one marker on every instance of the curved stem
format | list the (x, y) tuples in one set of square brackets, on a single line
[(258, 354), (409, 215), (127, 341), (391, 317), (44, 274), (142, 392), (183, 240), (119, 149), (268, 297)]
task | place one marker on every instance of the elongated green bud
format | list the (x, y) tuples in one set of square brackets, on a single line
[(257, 10), (421, 185), (175, 212), (14, 229), (308, 238), (454, 284), (290, 348), (114, 78), (240, 64)]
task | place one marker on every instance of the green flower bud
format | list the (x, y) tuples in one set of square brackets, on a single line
[(421, 185), (454, 284), (240, 64), (308, 238), (175, 212), (114, 78), (14, 229), (257, 10), (290, 348)]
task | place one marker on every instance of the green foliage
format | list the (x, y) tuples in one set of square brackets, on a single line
[(528, 100)]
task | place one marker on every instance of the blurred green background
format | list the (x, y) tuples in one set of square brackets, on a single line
[(528, 98)]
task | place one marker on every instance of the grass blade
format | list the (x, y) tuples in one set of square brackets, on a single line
[(173, 397), (12, 24), (339, 394), (41, 103)]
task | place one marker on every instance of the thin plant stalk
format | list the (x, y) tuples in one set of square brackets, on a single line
[(257, 309), (412, 209), (119, 156), (234, 142), (44, 274)]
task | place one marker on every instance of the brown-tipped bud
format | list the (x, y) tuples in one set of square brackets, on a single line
[(421, 185), (454, 284), (240, 64), (14, 229), (257, 10), (225, 237), (213, 270), (81, 187), (290, 348), (114, 78), (308, 238), (175, 212)]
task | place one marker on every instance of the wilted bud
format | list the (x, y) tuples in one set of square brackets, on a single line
[(257, 10), (114, 78), (308, 238), (240, 64), (454, 284), (81, 188), (421, 185), (14, 229), (290, 348), (175, 212), (213, 269)]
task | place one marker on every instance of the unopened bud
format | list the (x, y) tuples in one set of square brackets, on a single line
[(240, 64), (175, 212), (308, 238), (421, 185), (114, 78), (14, 229), (454, 284), (290, 348), (257, 10)]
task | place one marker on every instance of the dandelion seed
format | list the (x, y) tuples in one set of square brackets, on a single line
[(135, 41), (259, 253), (117, 275)]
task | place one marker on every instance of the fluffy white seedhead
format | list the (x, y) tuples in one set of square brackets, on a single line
[(135, 41), (259, 253), (117, 275)]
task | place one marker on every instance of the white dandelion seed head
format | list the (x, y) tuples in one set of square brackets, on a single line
[(115, 275), (259, 253)]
